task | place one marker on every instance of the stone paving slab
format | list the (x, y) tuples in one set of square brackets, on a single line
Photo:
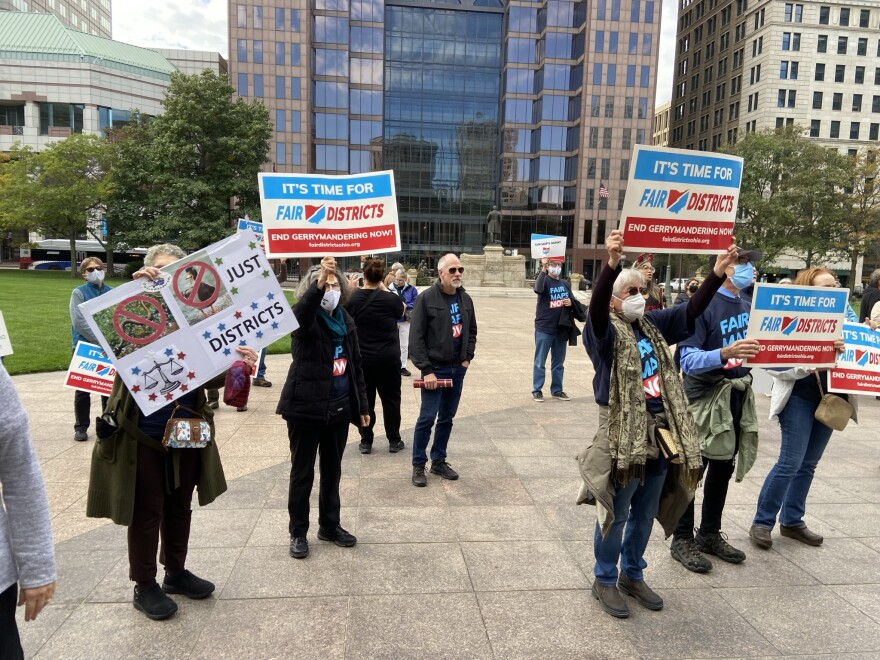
[(495, 565)]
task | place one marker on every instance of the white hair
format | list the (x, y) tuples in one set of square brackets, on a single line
[(626, 278), (163, 249), (442, 263)]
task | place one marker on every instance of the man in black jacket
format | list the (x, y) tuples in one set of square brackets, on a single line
[(442, 338), (871, 296)]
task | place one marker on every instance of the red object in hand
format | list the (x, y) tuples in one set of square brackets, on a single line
[(441, 382), (237, 387)]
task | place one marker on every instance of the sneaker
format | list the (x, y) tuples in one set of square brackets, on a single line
[(418, 476), (338, 536), (716, 544), (537, 397), (154, 603), (395, 446), (213, 404), (81, 436), (640, 591), (405, 372), (261, 382), (444, 470), (365, 447), (610, 600), (241, 409), (187, 584), (685, 551), (562, 396), (299, 547)]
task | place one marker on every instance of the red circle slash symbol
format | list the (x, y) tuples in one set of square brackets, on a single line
[(124, 318), (193, 297)]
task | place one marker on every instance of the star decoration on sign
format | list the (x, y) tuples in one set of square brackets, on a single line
[(136, 388), (184, 388), (222, 326), (191, 375), (181, 355), (168, 397), (274, 325), (152, 397), (237, 315), (234, 290), (270, 296), (206, 334), (259, 334), (254, 305), (265, 273), (135, 371), (226, 351), (252, 245), (218, 261), (169, 352)]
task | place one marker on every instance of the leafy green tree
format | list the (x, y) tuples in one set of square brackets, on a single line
[(859, 223), (57, 190), (174, 176)]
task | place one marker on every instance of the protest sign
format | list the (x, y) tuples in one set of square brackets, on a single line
[(679, 200), (90, 370), (246, 223), (168, 335), (858, 367), (5, 343), (552, 247), (306, 215), (796, 325)]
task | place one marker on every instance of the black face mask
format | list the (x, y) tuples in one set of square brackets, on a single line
[(693, 288)]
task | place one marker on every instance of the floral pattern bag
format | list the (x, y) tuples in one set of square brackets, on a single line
[(186, 432)]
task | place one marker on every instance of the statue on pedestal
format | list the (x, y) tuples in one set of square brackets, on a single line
[(494, 227)]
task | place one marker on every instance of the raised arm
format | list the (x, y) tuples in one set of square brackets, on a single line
[(601, 299)]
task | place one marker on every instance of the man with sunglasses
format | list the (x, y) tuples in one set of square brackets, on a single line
[(442, 338), (642, 406), (92, 271)]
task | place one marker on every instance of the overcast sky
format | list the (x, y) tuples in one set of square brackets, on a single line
[(201, 25)]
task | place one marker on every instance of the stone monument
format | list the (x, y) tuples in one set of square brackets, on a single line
[(493, 267)]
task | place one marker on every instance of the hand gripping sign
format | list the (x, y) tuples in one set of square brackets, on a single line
[(169, 335), (858, 367)]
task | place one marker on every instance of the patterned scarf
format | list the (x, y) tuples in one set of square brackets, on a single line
[(628, 425)]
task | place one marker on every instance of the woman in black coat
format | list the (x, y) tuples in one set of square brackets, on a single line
[(323, 394)]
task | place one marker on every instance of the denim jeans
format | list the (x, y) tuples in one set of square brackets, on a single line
[(787, 485), (261, 367), (635, 506), (546, 342), (440, 405)]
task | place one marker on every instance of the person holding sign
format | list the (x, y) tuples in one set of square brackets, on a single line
[(642, 406), (795, 397), (92, 271), (323, 394), (719, 389), (554, 299)]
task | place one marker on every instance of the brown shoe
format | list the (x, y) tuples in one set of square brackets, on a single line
[(760, 537), (802, 534), (640, 591), (610, 599)]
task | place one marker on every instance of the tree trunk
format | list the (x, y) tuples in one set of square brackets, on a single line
[(74, 271), (108, 252), (853, 265), (808, 262)]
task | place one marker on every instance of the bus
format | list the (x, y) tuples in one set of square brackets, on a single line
[(54, 254)]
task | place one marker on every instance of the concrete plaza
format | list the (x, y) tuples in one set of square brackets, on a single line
[(497, 564)]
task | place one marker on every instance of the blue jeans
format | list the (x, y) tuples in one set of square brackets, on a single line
[(440, 405), (544, 342), (787, 485), (261, 367), (635, 505)]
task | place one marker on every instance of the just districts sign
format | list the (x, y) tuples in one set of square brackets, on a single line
[(312, 215), (679, 200)]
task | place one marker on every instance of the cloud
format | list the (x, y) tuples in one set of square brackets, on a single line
[(666, 60), (186, 24)]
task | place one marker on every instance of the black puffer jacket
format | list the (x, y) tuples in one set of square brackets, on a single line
[(305, 397)]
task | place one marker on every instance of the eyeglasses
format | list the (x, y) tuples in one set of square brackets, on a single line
[(91, 269), (453, 271)]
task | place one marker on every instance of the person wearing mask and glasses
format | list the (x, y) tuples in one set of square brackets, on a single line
[(554, 299)]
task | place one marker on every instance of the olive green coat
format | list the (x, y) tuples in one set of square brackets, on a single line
[(114, 459)]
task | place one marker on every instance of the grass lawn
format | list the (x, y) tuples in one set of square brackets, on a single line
[(35, 308)]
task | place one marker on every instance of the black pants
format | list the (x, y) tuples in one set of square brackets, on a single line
[(10, 643), (213, 396), (82, 409), (305, 441), (386, 381)]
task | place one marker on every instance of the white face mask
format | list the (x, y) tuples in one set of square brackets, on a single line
[(96, 277), (554, 271), (330, 300), (633, 308)]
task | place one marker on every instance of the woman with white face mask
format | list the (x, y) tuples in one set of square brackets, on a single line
[(323, 394), (638, 392)]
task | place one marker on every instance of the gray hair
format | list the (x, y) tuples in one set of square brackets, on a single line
[(312, 276), (442, 263), (396, 266), (626, 278), (875, 278), (162, 250), (88, 261), (400, 272)]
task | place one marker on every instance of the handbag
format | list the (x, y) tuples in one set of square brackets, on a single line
[(186, 432), (833, 411)]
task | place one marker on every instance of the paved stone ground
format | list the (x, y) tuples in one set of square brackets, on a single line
[(497, 564)]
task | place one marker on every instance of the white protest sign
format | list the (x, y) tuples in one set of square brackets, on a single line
[(5, 342), (90, 370), (678, 200), (858, 367), (796, 325), (548, 246), (246, 223), (169, 335), (307, 215)]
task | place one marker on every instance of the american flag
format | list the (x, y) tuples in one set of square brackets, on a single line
[(603, 190)]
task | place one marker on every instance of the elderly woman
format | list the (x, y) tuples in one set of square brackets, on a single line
[(795, 396), (408, 294), (638, 392), (323, 394), (137, 482)]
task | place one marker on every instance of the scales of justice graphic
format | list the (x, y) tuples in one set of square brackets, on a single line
[(154, 376)]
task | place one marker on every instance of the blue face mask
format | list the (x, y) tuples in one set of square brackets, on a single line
[(743, 274)]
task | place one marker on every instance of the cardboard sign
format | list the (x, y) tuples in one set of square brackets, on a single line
[(5, 342), (168, 335), (306, 215), (679, 200), (858, 367), (90, 370), (796, 325), (246, 223), (548, 246)]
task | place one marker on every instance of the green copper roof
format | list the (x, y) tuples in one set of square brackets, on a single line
[(26, 35)]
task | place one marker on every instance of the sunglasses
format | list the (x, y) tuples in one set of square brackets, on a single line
[(453, 271), (634, 290), (92, 269)]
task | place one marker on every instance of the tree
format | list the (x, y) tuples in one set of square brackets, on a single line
[(859, 224), (174, 176), (55, 191)]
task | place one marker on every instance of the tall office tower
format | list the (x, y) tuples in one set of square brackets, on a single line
[(744, 66), (473, 103), (90, 16)]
